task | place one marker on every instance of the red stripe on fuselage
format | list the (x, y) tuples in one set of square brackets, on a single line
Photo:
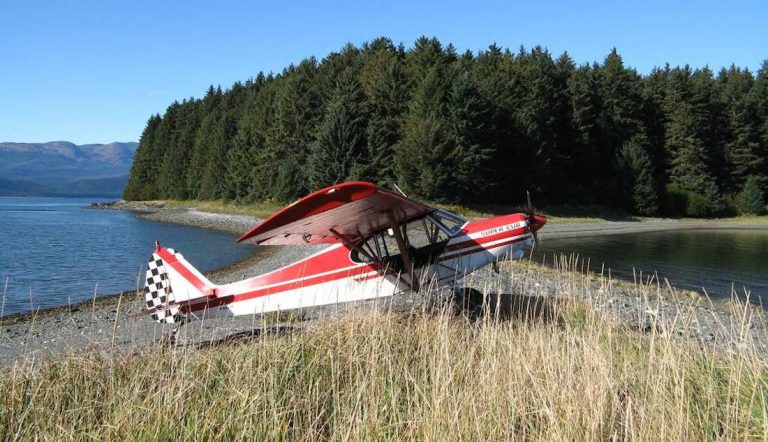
[(484, 249), (311, 280), (470, 242)]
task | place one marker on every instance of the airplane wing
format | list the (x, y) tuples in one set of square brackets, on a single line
[(352, 210)]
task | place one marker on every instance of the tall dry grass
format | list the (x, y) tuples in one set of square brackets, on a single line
[(560, 373)]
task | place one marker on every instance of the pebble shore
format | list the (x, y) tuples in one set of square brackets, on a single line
[(110, 324)]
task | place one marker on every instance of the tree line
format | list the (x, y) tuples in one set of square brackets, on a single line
[(470, 128)]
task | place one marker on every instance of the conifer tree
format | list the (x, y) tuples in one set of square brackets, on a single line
[(494, 78), (289, 183), (381, 135), (621, 105), (586, 167), (337, 153), (424, 157), (467, 119), (758, 96), (142, 182), (641, 176)]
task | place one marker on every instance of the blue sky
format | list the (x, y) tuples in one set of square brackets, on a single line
[(93, 71)]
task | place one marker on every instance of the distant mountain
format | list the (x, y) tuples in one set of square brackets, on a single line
[(21, 188), (63, 168), (112, 186)]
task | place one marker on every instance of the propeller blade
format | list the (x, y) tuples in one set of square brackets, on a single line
[(530, 205), (532, 219)]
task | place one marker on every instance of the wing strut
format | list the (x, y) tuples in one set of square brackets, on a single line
[(404, 251)]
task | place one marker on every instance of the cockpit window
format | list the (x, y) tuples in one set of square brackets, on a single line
[(451, 222), (426, 237)]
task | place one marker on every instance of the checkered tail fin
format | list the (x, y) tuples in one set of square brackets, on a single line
[(172, 284)]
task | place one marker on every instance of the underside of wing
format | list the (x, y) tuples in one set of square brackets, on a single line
[(352, 210)]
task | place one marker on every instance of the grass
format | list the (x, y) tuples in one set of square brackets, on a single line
[(259, 210), (746, 219), (557, 373), (555, 214)]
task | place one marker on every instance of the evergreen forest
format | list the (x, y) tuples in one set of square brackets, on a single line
[(470, 128)]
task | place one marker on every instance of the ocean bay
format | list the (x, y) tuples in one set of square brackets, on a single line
[(54, 251)]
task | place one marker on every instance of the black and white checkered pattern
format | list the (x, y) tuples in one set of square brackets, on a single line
[(158, 292)]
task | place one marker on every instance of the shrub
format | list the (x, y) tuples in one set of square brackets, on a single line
[(702, 204), (751, 200)]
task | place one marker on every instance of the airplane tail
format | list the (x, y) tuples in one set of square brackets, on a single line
[(173, 284)]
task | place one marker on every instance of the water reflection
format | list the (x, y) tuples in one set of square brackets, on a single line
[(711, 259)]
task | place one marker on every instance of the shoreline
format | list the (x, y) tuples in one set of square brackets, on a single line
[(159, 212), (234, 224), (107, 323)]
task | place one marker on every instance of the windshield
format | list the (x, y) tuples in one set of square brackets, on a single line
[(449, 221)]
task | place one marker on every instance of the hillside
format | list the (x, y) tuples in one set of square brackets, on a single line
[(61, 168)]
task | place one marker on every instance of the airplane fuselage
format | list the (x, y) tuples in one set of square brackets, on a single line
[(333, 275)]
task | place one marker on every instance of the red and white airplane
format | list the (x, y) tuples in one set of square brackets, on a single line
[(379, 244)]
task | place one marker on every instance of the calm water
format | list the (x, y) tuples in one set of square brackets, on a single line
[(711, 259), (53, 252)]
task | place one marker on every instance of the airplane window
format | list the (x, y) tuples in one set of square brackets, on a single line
[(449, 220), (423, 236), (424, 232), (356, 256), (379, 247)]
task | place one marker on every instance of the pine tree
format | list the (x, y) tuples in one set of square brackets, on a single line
[(213, 178), (381, 136), (621, 119), (758, 96), (689, 168), (751, 200), (207, 136), (427, 53), (746, 157), (495, 78), (534, 113), (641, 176), (142, 182), (383, 80), (467, 118), (587, 162), (337, 154), (289, 184), (689, 142), (424, 158)]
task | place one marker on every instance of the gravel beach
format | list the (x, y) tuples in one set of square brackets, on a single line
[(109, 324)]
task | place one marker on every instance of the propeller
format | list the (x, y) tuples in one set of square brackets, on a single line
[(532, 219)]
